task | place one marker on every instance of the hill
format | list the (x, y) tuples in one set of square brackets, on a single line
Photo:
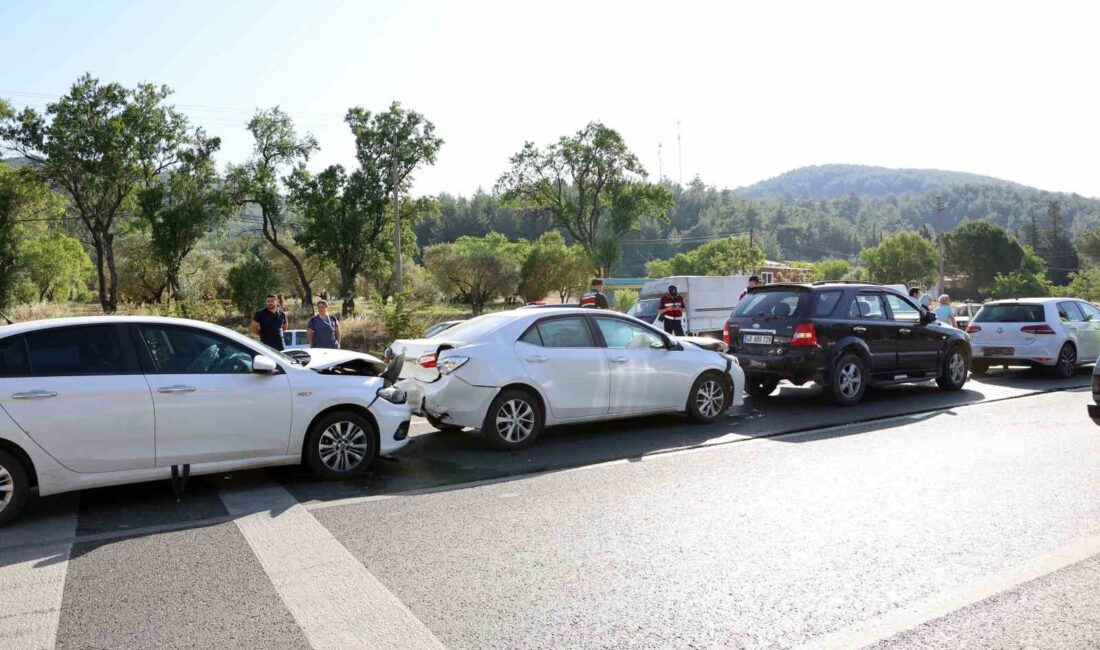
[(834, 181)]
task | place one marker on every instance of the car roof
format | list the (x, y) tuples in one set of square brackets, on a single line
[(1027, 301), (46, 323)]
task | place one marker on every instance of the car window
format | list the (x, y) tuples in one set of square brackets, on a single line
[(531, 336), (779, 303), (288, 338), (182, 350), (645, 310), (1068, 311), (825, 302), (1090, 311), (867, 305), (473, 329), (622, 335), (62, 351), (1010, 313), (565, 333), (13, 357), (901, 309)]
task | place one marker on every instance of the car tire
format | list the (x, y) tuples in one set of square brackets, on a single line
[(514, 420), (761, 385), (709, 398), (849, 379), (979, 367), (14, 487), (341, 445), (441, 426), (1066, 366), (953, 374)]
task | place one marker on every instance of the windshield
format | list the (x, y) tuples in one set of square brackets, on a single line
[(779, 303), (644, 309), (475, 328), (1010, 313)]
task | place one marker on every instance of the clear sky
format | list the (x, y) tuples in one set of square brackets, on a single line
[(1007, 89)]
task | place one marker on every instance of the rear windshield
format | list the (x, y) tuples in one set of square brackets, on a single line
[(645, 309), (1010, 314), (770, 304), (475, 328)]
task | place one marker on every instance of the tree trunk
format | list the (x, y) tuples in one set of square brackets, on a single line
[(173, 277), (101, 272), (112, 273), (347, 287), (398, 280), (307, 290)]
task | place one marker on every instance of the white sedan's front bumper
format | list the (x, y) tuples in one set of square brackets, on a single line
[(393, 424), (737, 376)]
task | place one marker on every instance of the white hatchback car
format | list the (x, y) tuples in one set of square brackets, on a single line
[(512, 373), (88, 402), (1057, 333)]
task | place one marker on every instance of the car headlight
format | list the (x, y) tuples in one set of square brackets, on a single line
[(450, 364), (393, 395)]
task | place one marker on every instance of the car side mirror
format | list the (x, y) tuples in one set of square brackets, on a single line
[(262, 365), (663, 344)]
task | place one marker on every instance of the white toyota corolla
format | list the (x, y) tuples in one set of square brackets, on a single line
[(513, 373), (88, 402)]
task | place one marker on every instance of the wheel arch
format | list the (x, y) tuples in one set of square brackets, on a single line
[(358, 409), (527, 388), (722, 376), (848, 344), (23, 457)]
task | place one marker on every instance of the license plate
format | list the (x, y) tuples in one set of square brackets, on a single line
[(998, 352), (757, 339)]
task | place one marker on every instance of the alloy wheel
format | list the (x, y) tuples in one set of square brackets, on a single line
[(515, 420), (957, 368), (850, 380), (7, 488), (710, 399), (1068, 360), (342, 446)]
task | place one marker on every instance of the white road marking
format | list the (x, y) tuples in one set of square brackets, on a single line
[(32, 580), (940, 605), (332, 596)]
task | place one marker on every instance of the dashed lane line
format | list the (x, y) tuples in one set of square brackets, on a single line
[(337, 603), (940, 605), (32, 580)]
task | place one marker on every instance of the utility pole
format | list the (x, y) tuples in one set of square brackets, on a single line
[(660, 164), (679, 154), (941, 206), (398, 284)]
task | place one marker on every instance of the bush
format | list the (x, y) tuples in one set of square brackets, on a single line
[(625, 299), (250, 280)]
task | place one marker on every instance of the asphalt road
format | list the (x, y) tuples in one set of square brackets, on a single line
[(919, 518)]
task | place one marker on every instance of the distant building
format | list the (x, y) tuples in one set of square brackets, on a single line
[(771, 272)]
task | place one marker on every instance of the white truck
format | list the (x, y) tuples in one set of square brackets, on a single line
[(708, 300)]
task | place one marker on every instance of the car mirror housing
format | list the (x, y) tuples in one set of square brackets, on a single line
[(927, 318), (264, 365)]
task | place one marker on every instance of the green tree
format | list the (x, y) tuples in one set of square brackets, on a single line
[(276, 151), (1085, 284), (344, 219), (977, 251), (1088, 244), (551, 266), (1027, 281), (901, 258), (393, 145), (56, 264), (1060, 254), (733, 255), (97, 145), (590, 185), (250, 280), (180, 207), (831, 269), (625, 299), (476, 270)]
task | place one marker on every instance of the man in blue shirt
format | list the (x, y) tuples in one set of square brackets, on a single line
[(269, 323)]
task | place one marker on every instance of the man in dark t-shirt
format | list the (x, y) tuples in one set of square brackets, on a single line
[(269, 323)]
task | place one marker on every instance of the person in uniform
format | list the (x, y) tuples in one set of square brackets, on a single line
[(594, 298), (672, 311)]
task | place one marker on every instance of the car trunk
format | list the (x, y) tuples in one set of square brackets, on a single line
[(1002, 326), (765, 320)]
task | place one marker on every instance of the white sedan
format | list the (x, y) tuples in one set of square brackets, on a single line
[(1056, 333), (88, 402), (513, 373)]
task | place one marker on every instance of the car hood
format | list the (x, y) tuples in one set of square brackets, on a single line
[(324, 359)]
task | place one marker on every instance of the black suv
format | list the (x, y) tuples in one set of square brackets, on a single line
[(843, 336)]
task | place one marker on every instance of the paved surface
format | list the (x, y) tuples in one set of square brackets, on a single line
[(919, 518)]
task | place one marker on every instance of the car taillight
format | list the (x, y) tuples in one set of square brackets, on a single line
[(970, 329), (426, 361), (805, 335), (726, 333), (1038, 329)]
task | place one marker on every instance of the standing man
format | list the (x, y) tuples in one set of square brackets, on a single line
[(754, 281), (594, 298), (323, 328), (672, 311), (269, 323)]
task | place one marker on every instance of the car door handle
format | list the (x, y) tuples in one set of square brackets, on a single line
[(34, 394), (537, 359), (179, 388), (904, 330), (619, 359), (859, 330)]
